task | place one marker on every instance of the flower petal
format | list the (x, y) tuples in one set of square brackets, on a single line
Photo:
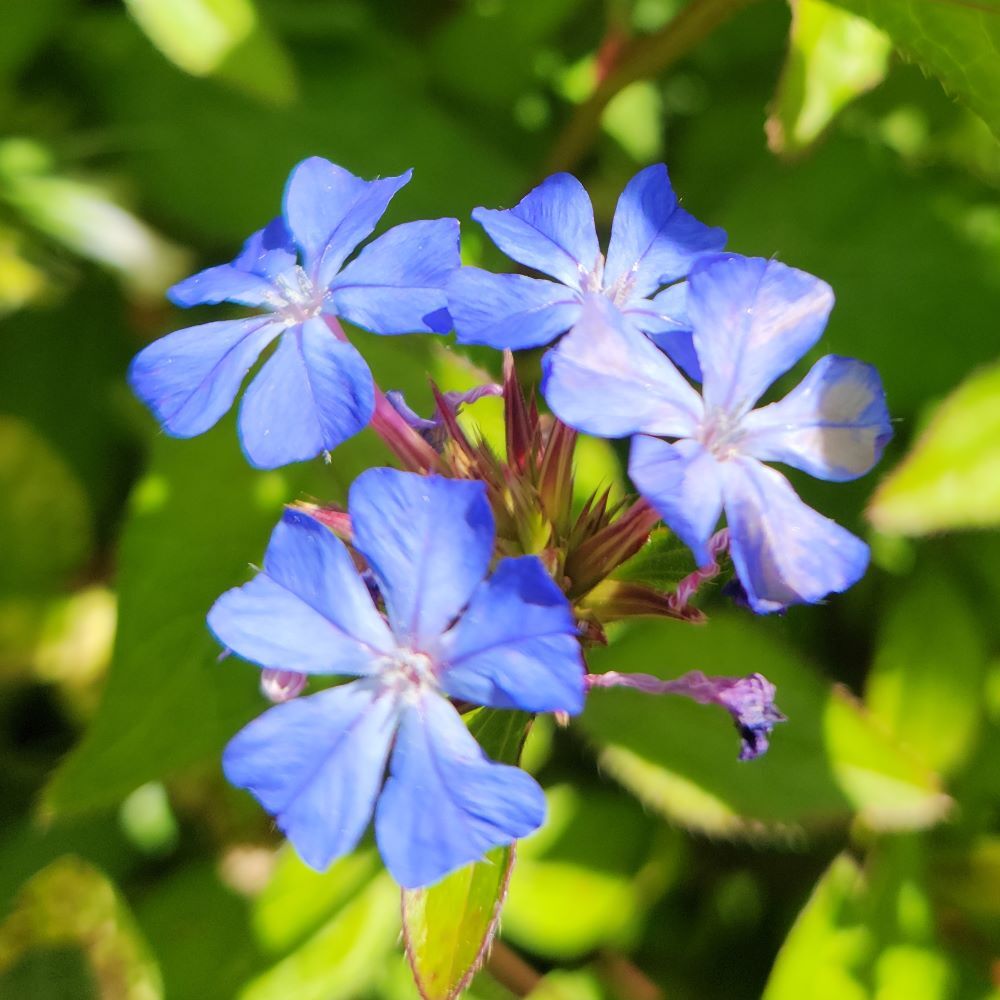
[(308, 610), (428, 540), (509, 311), (653, 240), (516, 646), (329, 211), (223, 283), (396, 284), (446, 803), (664, 319), (189, 378), (833, 425), (313, 393), (607, 379), (550, 229), (683, 482), (752, 320), (316, 764), (269, 251), (784, 552), (249, 279)]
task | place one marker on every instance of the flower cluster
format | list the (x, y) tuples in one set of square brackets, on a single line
[(471, 578)]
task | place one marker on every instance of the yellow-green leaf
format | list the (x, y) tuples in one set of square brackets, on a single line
[(951, 477), (223, 38), (833, 56)]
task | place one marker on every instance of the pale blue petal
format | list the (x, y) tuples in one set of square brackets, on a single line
[(190, 378), (269, 252), (316, 764), (834, 425), (608, 379), (329, 212), (684, 484), (551, 230), (223, 283), (752, 320), (664, 319), (509, 311), (446, 803), (784, 552), (429, 541), (653, 240), (313, 393), (307, 611), (397, 283), (517, 645)]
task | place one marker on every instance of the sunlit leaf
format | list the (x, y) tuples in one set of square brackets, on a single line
[(833, 57), (575, 889), (448, 928), (827, 762), (72, 904), (926, 682), (88, 220), (224, 38), (46, 529), (955, 40), (342, 958), (864, 934), (951, 477)]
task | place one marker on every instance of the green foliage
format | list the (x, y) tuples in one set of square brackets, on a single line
[(146, 138), (449, 926), (71, 904), (951, 477), (955, 41), (833, 57), (681, 758)]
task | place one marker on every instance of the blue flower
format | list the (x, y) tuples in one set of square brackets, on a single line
[(752, 319), (315, 391), (506, 641), (653, 243)]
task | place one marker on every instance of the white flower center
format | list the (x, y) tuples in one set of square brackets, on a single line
[(296, 298), (721, 434), (408, 673), (620, 292)]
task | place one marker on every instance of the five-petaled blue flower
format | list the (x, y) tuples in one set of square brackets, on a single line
[(507, 641), (653, 243), (752, 319), (316, 390)]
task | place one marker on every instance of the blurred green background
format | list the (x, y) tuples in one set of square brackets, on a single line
[(860, 858)]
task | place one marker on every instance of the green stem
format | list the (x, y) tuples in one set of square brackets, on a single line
[(642, 58)]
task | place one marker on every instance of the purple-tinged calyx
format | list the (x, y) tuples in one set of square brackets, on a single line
[(749, 700)]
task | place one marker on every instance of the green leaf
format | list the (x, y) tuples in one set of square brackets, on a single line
[(951, 477), (448, 928), (954, 40), (341, 959), (825, 947), (46, 529), (828, 761), (661, 563), (865, 934), (70, 903), (833, 57), (926, 682), (223, 38), (298, 899), (87, 219), (575, 889)]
